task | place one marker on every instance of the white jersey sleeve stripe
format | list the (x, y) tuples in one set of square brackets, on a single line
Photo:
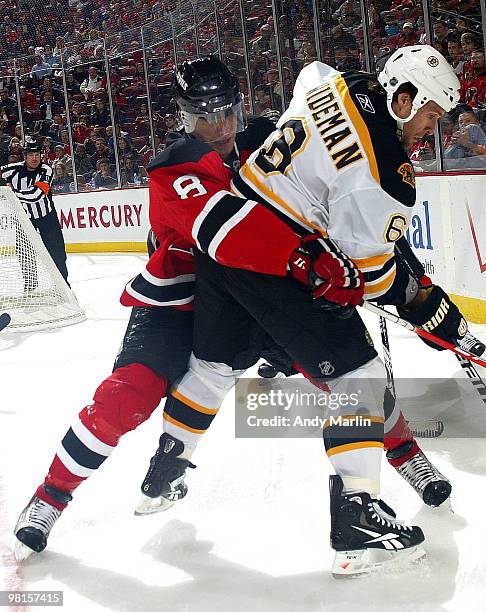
[(210, 204), (165, 282), (228, 226)]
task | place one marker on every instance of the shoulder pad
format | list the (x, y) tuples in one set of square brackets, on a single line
[(181, 151)]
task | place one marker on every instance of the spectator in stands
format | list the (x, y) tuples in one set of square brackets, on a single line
[(76, 112), (7, 102), (124, 149), (264, 43), (47, 153), (171, 123), (65, 141), (72, 36), (15, 148), (18, 131), (61, 180), (460, 25), (49, 56), (48, 85), (473, 89), (81, 131), (80, 73), (28, 100), (61, 53), (94, 39), (82, 162), (49, 107), (456, 55), (72, 85), (100, 115), (58, 124), (406, 37), (92, 84), (119, 133), (40, 69), (101, 152), (131, 173), (392, 27), (469, 138), (469, 43), (103, 178), (441, 36), (62, 157)]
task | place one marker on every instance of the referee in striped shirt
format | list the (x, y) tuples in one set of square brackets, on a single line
[(31, 180)]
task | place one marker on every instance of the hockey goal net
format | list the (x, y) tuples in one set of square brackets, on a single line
[(32, 290)]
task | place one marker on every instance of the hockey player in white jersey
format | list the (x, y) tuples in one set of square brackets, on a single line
[(336, 168)]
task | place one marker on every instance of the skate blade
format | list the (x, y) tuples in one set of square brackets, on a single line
[(151, 505), (21, 551), (374, 560)]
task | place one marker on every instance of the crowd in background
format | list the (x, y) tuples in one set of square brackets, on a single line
[(62, 50)]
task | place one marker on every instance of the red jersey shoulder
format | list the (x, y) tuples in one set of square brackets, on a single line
[(182, 151)]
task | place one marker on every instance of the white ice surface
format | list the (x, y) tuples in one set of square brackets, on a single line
[(252, 535)]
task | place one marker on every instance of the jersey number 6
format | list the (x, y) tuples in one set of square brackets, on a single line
[(282, 146), (396, 227)]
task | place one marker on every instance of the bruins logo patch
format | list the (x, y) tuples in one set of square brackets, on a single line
[(407, 173)]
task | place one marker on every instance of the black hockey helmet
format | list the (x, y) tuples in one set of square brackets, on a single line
[(204, 87), (31, 146)]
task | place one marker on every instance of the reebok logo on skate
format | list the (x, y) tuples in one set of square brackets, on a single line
[(389, 540)]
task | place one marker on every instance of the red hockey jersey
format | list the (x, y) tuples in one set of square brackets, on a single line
[(190, 204)]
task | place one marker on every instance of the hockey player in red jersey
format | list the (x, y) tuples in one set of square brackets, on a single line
[(155, 351), (298, 181)]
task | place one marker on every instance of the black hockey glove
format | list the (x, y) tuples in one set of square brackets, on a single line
[(438, 315)]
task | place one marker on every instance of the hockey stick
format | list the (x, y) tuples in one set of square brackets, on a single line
[(432, 428), (381, 312), (4, 320), (387, 356)]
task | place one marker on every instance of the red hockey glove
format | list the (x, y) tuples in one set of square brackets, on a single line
[(322, 266)]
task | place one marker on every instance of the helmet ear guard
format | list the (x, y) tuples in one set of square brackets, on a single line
[(428, 71)]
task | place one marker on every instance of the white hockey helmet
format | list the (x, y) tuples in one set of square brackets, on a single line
[(426, 69)]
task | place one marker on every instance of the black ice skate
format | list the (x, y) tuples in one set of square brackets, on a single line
[(35, 523), (366, 535), (164, 483), (414, 467)]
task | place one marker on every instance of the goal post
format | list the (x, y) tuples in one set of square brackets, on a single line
[(32, 290)]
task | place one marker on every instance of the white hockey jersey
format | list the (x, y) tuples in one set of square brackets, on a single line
[(335, 165)]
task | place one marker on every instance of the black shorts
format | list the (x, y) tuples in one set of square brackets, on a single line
[(232, 306), (160, 338)]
